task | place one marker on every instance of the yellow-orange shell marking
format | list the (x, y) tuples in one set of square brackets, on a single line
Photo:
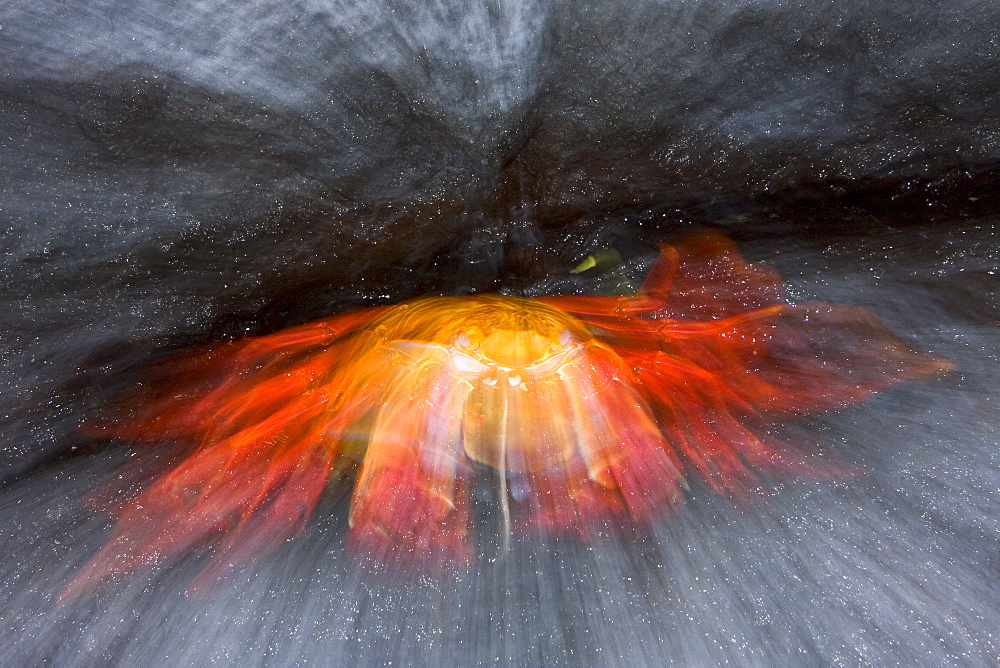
[(586, 408)]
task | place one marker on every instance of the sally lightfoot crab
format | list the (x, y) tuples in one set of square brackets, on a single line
[(587, 408)]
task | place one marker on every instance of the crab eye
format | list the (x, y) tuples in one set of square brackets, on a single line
[(467, 341)]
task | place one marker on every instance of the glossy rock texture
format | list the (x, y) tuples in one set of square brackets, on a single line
[(179, 173), (145, 145)]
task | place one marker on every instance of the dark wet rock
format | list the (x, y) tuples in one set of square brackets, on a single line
[(178, 172)]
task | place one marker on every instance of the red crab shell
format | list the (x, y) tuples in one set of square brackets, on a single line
[(588, 408)]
